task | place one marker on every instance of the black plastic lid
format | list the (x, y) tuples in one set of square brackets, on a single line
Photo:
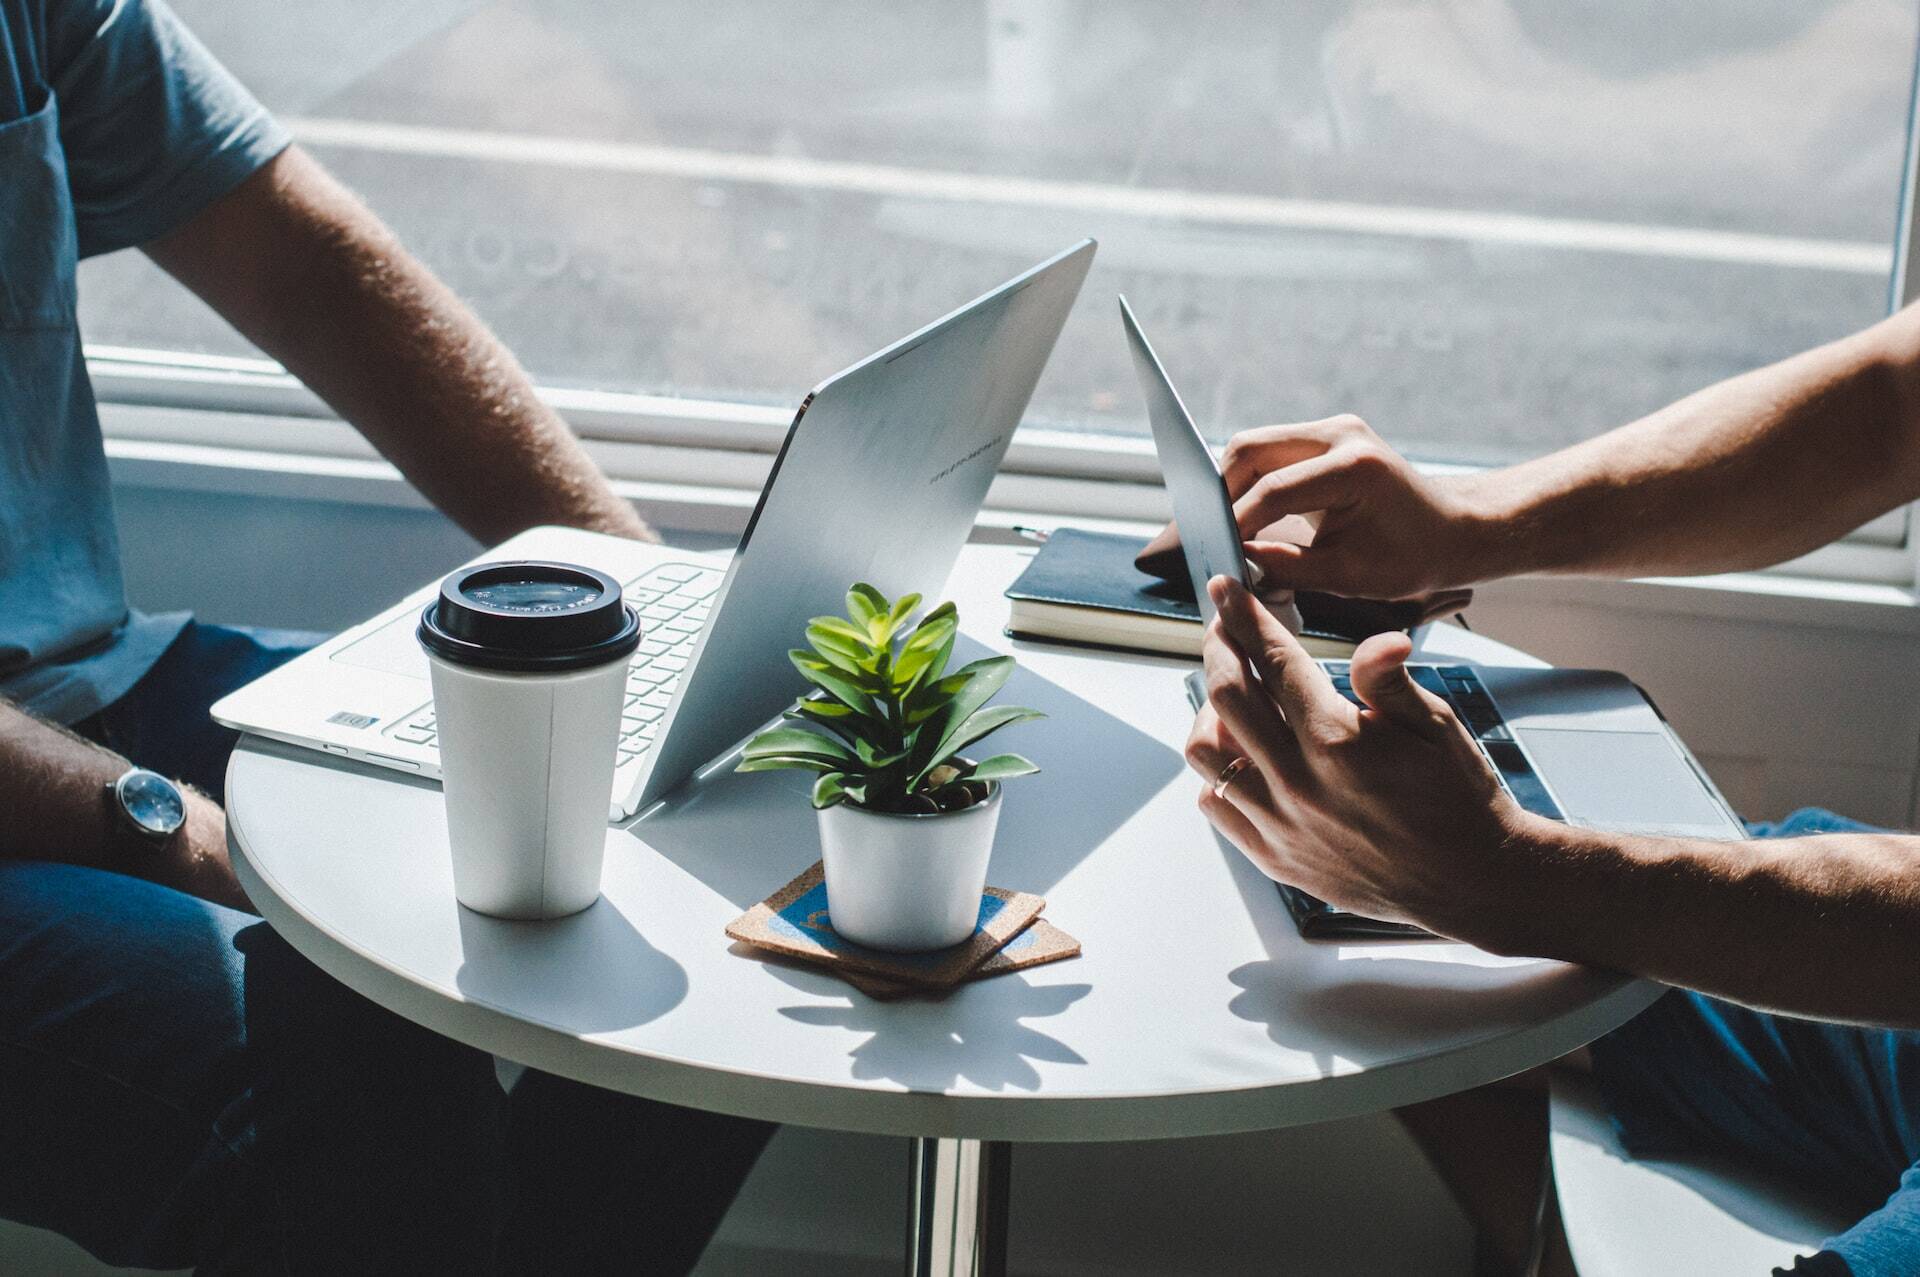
[(527, 615)]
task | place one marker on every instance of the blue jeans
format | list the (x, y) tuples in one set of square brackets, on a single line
[(1831, 1107), (179, 1087)]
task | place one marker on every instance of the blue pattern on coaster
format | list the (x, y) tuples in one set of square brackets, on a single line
[(806, 918), (1025, 940)]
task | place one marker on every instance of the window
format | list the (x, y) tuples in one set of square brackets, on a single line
[(1490, 226)]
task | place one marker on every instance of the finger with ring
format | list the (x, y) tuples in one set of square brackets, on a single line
[(1229, 774)]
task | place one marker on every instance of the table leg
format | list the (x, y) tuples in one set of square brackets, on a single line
[(957, 1207)]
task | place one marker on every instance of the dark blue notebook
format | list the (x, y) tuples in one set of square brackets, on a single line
[(1082, 587)]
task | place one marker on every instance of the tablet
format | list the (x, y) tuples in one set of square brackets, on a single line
[(1202, 508)]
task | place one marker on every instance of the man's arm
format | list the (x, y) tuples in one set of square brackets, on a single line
[(311, 276), (1821, 927), (1391, 812), (53, 806), (1758, 469), (1745, 474)]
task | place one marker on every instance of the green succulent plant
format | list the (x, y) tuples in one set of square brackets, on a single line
[(886, 725)]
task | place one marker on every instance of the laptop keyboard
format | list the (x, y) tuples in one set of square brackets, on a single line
[(674, 601), (1460, 687)]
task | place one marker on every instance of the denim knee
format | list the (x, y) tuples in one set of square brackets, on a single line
[(1807, 821)]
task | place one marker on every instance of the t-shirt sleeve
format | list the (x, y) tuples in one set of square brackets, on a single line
[(153, 127)]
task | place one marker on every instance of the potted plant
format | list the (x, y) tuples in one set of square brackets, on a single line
[(906, 820)]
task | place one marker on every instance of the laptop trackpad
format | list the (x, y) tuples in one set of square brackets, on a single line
[(1628, 781), (392, 649)]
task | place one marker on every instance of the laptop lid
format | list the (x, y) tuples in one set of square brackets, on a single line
[(880, 479), (1202, 508)]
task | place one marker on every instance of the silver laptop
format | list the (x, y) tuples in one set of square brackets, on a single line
[(1583, 746), (880, 479)]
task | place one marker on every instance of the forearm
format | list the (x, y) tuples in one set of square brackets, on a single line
[(1821, 927), (306, 272), (53, 807), (1747, 473), (52, 794)]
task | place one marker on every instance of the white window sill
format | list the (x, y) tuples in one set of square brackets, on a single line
[(722, 507), (698, 464)]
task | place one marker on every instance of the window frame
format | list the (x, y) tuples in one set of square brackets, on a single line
[(1903, 280), (724, 449)]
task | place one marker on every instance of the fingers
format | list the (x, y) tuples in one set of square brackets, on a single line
[(1299, 567), (1253, 453), (1380, 678), (1280, 603), (1302, 690), (1237, 809), (1233, 823), (1319, 484), (1288, 614), (1249, 456), (1210, 746), (1245, 711)]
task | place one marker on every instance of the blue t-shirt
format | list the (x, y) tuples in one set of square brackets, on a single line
[(116, 126)]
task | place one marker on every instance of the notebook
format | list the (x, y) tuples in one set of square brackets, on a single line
[(1083, 588)]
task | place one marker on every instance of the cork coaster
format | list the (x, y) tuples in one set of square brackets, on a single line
[(1039, 944), (794, 922)]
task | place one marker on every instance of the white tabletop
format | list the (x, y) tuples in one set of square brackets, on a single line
[(1194, 1009)]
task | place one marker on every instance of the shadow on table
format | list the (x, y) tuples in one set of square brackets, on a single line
[(1319, 1000), (744, 836), (1337, 999), (976, 1035), (592, 972)]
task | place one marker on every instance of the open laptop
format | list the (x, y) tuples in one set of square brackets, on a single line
[(880, 479), (1583, 746)]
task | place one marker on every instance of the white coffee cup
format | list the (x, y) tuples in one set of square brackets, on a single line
[(529, 665)]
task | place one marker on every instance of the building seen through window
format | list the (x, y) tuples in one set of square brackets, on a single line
[(1490, 226)]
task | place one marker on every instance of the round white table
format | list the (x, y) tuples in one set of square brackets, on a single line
[(1194, 1009)]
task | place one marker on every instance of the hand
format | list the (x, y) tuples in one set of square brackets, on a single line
[(1383, 531), (1390, 811)]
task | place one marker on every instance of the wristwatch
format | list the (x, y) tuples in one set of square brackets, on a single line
[(147, 804)]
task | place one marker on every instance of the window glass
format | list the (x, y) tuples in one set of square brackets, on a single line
[(1489, 226)]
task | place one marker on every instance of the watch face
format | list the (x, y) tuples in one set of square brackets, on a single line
[(152, 802)]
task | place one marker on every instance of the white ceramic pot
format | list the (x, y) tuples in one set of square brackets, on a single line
[(908, 883)]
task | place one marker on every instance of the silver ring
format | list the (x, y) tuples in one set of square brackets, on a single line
[(1229, 774)]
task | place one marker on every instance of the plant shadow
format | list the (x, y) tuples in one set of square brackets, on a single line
[(977, 1035)]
